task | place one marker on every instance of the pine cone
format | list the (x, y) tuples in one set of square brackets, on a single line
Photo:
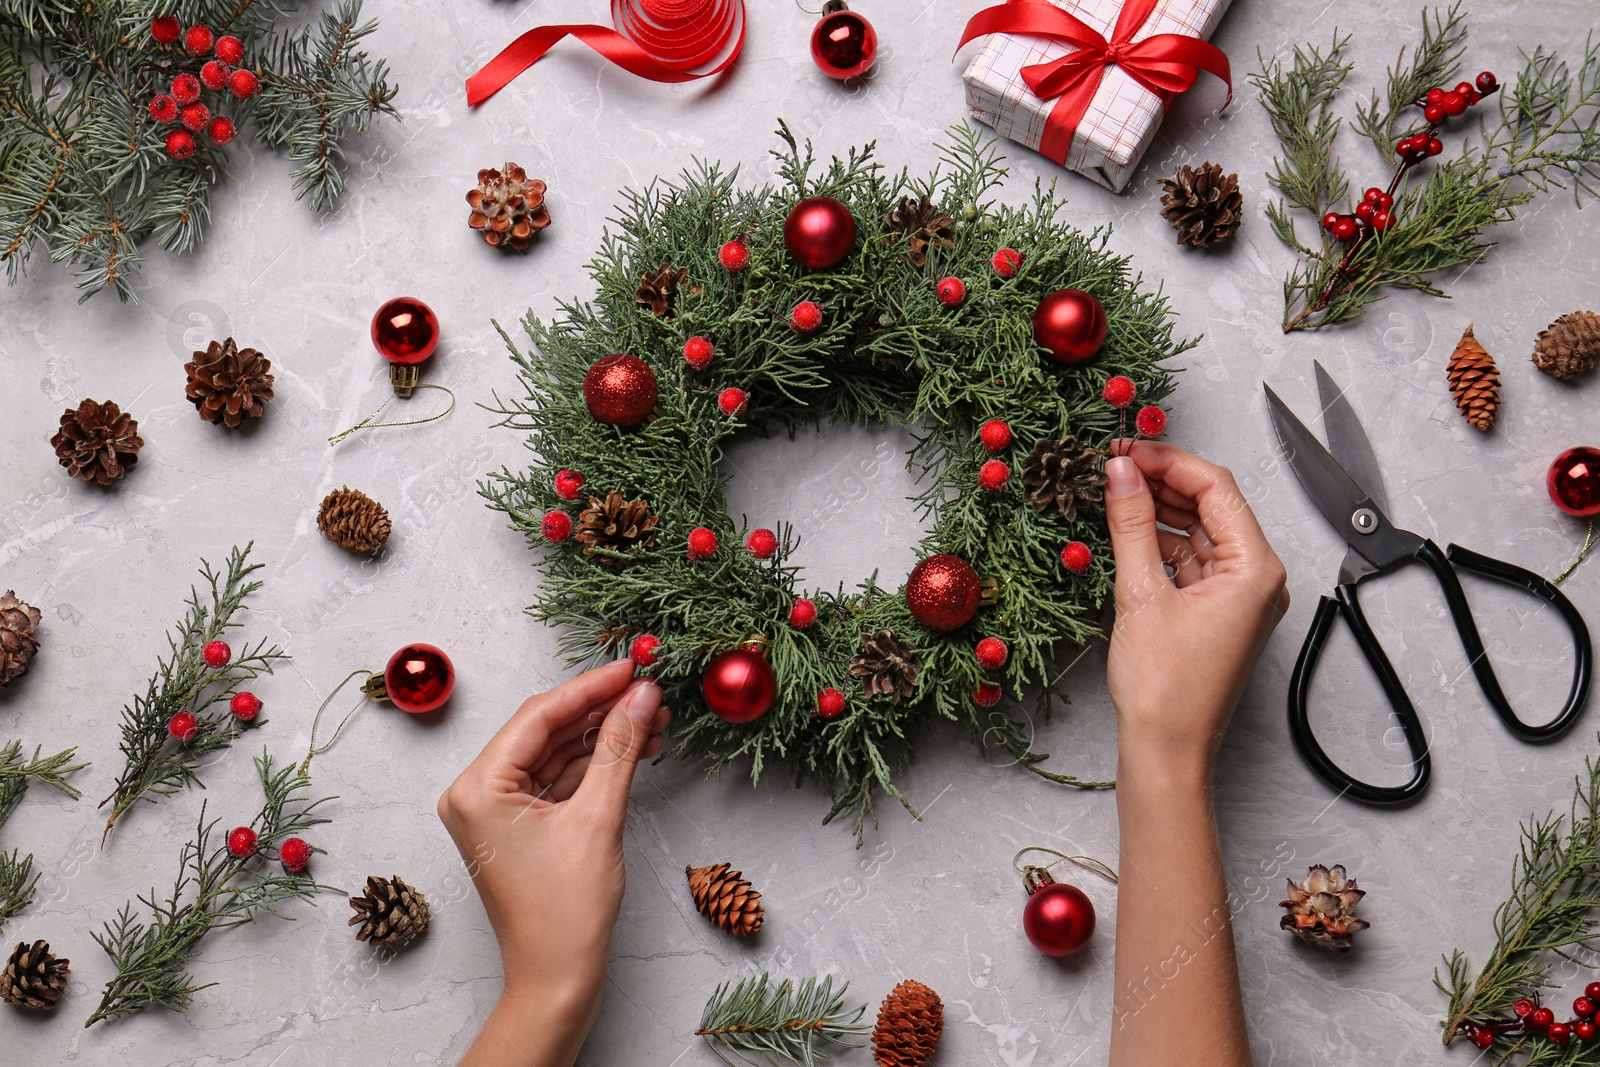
[(923, 224), (910, 1021), (33, 978), (658, 290), (18, 646), (889, 665), (1322, 909), (1474, 381), (1204, 205), (1568, 346), (390, 912), (507, 207), (228, 384), (724, 897), (613, 531), (97, 442), (1062, 474), (353, 520)]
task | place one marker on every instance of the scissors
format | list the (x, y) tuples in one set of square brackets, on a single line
[(1346, 485)]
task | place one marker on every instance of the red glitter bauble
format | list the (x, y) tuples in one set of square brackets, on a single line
[(620, 390), (844, 44), (419, 678), (819, 232), (739, 685), (943, 592), (1574, 482), (405, 331), (1058, 918), (1071, 324)]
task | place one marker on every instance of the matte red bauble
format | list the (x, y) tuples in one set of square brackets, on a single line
[(1058, 918), (419, 678), (1574, 482), (943, 592), (844, 44), (405, 331), (1071, 324), (739, 685), (620, 390), (819, 232)]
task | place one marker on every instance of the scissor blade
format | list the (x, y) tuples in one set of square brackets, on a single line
[(1347, 439), (1331, 489)]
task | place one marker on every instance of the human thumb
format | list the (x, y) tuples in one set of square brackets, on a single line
[(1131, 515), (623, 734)]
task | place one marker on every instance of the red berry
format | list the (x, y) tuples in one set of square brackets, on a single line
[(995, 435), (991, 653), (1522, 1007), (1119, 391), (698, 352), (1487, 82), (1366, 209), (1435, 146), (951, 291), (1372, 193), (1592, 991), (1454, 103), (1345, 229), (732, 401), (183, 725), (214, 75), (244, 84), (762, 543), (1584, 1029), (230, 49), (186, 88), (986, 694), (802, 614), (1330, 220), (180, 144), (735, 255), (1402, 148), (645, 650), (217, 653), (1464, 88), (1381, 221), (806, 317), (568, 484), (1481, 1036), (1558, 1033), (196, 117), (1434, 113), (1386, 201), (163, 108), (1435, 95), (241, 842), (1540, 1018), (993, 475), (702, 542), (245, 706), (1419, 141), (830, 704), (1076, 557), (556, 525), (1151, 421), (1583, 1007), (197, 40), (294, 853), (221, 130), (1006, 261), (1473, 96), (166, 29)]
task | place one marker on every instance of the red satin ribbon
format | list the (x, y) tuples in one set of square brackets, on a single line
[(663, 40), (1166, 63)]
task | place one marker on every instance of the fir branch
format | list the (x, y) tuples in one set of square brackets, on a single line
[(154, 764), (152, 946), (1433, 62), (17, 884), (755, 1023)]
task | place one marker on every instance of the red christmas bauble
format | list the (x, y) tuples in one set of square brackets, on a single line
[(1058, 918), (1071, 324), (844, 44), (419, 678), (620, 390), (739, 685), (943, 592), (405, 331), (1574, 482), (819, 232)]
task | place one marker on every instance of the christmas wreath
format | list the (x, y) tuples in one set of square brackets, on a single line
[(843, 294)]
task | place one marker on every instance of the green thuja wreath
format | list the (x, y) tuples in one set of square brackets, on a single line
[(889, 351)]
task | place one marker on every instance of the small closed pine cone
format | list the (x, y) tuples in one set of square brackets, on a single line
[(229, 384), (1474, 381), (910, 1021), (658, 289), (97, 442), (353, 520), (1569, 346), (1202, 204), (1062, 474), (615, 529), (1322, 909), (18, 645), (33, 978), (888, 664), (390, 912), (923, 224), (507, 207), (726, 898)]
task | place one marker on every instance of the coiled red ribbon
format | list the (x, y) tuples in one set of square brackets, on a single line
[(1165, 63), (663, 40)]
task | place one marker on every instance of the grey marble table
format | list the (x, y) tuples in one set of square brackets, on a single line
[(935, 899)]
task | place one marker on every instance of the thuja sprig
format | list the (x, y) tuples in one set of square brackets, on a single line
[(755, 1022), (1299, 103), (17, 884), (152, 945), (17, 880), (155, 764), (1438, 53)]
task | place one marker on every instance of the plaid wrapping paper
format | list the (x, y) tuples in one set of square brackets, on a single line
[(1123, 117)]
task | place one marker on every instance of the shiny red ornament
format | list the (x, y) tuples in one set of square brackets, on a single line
[(994, 475), (242, 842), (951, 291), (802, 613), (739, 685), (620, 390), (217, 654), (943, 592), (698, 352), (405, 331), (819, 232), (419, 678), (830, 704), (762, 543), (645, 650), (844, 44), (1574, 485), (995, 434), (556, 525), (245, 706), (1058, 918), (1070, 324), (568, 484)]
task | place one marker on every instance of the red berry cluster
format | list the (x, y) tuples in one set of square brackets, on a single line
[(1536, 1021), (181, 102)]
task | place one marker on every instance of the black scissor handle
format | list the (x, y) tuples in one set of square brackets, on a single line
[(1443, 565), (1300, 731)]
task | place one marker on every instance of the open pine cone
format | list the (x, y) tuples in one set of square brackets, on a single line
[(923, 224), (32, 977), (353, 520), (1322, 909), (726, 898), (229, 384), (390, 912), (1569, 346), (1202, 204), (614, 530), (18, 646), (507, 207), (97, 442), (888, 665), (1062, 474), (658, 289), (909, 1024)]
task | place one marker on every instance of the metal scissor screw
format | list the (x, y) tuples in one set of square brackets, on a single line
[(1364, 520)]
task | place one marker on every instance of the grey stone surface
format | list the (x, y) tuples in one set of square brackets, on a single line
[(935, 899)]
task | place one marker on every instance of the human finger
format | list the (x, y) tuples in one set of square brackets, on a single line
[(1131, 517), (1218, 501), (1176, 550), (523, 739), (556, 762), (622, 740), (566, 784)]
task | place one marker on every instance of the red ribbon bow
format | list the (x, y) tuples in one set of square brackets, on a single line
[(1165, 63), (663, 40)]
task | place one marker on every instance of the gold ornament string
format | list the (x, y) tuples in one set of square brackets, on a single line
[(1588, 542), (1088, 863), (305, 764), (368, 424)]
